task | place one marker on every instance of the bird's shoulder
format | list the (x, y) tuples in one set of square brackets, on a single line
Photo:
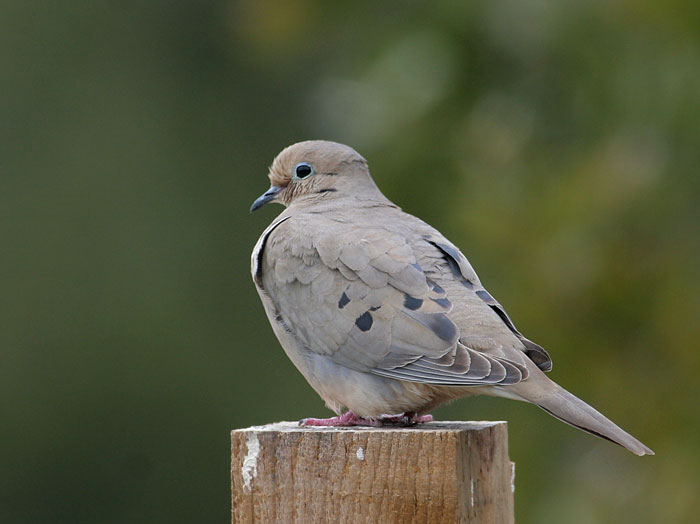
[(360, 247)]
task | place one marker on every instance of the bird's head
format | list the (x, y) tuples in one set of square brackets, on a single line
[(314, 169)]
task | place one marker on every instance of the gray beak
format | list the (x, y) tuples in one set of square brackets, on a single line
[(266, 197)]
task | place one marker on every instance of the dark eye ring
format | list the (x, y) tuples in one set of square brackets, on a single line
[(303, 170)]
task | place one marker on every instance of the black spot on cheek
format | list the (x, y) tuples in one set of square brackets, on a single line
[(375, 308), (412, 303), (328, 190), (344, 300), (364, 321)]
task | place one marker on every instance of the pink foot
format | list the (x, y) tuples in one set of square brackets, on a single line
[(346, 419), (406, 419), (350, 419)]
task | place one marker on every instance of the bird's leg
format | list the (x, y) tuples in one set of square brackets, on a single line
[(409, 418), (346, 419)]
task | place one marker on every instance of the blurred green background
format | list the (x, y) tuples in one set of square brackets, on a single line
[(557, 143)]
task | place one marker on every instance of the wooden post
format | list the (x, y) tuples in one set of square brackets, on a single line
[(441, 472)]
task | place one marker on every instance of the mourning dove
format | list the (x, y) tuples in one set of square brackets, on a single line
[(383, 315)]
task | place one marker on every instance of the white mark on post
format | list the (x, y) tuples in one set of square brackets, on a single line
[(512, 477), (250, 463), (471, 491), (360, 453)]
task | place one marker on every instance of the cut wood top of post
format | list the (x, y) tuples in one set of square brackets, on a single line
[(443, 425)]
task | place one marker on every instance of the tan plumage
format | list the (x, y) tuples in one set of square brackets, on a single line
[(379, 311)]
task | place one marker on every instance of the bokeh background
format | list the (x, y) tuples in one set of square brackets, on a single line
[(557, 143)]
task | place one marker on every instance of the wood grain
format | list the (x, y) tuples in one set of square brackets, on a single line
[(441, 472)]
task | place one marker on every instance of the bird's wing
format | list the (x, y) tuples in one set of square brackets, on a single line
[(461, 270), (360, 297)]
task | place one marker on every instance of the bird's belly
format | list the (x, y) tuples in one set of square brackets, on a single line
[(369, 395)]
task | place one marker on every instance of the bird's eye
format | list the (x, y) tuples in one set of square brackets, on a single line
[(303, 170)]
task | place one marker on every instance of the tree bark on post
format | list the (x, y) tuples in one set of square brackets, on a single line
[(440, 472)]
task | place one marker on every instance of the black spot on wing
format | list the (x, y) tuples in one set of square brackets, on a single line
[(452, 252), (442, 326), (375, 308), (537, 354), (412, 303), (496, 307), (505, 318), (438, 289), (454, 267), (344, 300), (442, 302), (452, 257), (364, 321), (485, 296)]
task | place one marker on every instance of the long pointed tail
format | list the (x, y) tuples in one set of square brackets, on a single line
[(561, 404)]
